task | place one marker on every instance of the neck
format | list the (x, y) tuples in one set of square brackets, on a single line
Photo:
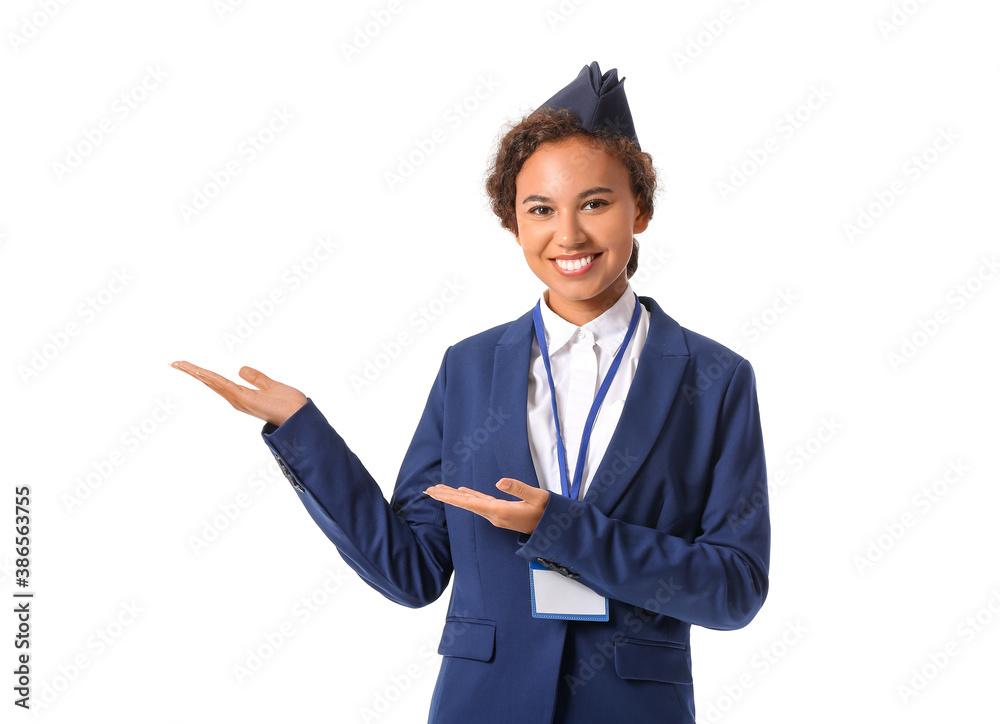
[(581, 311)]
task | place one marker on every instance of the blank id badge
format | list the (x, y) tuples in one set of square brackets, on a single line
[(554, 595)]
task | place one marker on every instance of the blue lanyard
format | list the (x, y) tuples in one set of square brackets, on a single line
[(574, 491)]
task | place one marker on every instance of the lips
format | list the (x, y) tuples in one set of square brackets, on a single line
[(577, 265)]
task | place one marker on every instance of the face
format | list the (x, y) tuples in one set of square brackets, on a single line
[(576, 215)]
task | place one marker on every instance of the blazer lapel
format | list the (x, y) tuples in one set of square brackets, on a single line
[(511, 367), (657, 379), (658, 376)]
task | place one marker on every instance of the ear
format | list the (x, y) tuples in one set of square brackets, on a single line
[(641, 216)]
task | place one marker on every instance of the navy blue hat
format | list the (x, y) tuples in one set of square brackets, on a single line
[(597, 100)]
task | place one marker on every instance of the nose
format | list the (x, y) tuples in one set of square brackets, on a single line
[(569, 231)]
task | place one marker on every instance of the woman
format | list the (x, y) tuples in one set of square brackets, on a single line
[(616, 491)]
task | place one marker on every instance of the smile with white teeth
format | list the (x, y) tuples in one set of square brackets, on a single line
[(574, 264)]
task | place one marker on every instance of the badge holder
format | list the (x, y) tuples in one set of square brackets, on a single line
[(554, 595)]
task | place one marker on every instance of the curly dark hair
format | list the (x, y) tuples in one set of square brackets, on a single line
[(522, 138)]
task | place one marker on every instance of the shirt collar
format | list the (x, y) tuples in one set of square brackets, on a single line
[(608, 329)]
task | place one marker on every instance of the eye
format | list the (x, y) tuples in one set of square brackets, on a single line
[(539, 210), (595, 203)]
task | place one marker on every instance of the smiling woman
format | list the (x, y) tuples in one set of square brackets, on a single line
[(575, 217), (551, 124), (616, 493)]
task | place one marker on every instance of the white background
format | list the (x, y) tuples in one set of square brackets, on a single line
[(856, 437)]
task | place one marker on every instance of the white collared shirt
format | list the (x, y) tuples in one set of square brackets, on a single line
[(580, 358)]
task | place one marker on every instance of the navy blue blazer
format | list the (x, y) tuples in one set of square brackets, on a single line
[(674, 529)]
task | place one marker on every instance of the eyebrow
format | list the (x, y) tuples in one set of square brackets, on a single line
[(582, 194)]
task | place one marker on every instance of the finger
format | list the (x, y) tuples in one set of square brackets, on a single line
[(476, 494), (256, 378), (461, 492), (192, 369), (195, 371), (185, 366), (520, 490), (460, 499), (445, 492), (232, 392)]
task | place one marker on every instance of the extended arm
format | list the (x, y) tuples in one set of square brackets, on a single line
[(399, 547)]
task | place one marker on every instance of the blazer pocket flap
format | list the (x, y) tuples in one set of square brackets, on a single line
[(653, 661), (468, 638)]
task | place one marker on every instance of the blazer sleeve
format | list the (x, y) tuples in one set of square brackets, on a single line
[(718, 580), (399, 547)]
